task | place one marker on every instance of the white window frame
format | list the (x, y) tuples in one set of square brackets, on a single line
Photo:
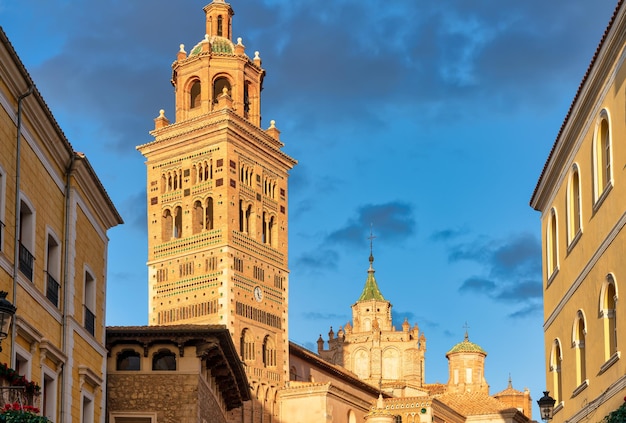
[(52, 397)]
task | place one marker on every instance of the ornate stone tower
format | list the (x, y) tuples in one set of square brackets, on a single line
[(466, 368), (372, 348), (217, 206)]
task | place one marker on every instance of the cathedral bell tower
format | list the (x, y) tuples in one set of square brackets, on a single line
[(217, 205)]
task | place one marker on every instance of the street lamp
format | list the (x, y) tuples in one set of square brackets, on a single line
[(7, 310), (546, 406)]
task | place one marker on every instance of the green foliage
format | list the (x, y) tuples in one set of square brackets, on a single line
[(15, 413), (617, 416)]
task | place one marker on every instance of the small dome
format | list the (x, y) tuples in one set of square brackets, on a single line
[(218, 45), (466, 347)]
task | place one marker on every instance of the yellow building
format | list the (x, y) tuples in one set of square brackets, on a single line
[(217, 207), (580, 195), (54, 215)]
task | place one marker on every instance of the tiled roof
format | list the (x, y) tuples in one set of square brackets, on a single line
[(371, 291), (466, 346), (472, 403)]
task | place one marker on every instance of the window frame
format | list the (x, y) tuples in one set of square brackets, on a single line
[(602, 159)]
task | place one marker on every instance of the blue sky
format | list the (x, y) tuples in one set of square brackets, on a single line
[(430, 120)]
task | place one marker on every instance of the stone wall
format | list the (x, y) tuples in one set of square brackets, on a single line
[(176, 398)]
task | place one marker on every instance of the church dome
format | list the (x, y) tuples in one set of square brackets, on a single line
[(466, 347), (218, 45)]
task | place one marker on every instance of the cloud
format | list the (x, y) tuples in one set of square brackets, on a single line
[(511, 269), (448, 234), (318, 260), (394, 221), (521, 292), (134, 210), (478, 285)]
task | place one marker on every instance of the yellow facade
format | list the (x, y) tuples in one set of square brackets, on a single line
[(63, 213), (217, 207), (580, 195)]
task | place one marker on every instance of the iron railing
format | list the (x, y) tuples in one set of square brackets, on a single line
[(52, 290), (26, 262), (90, 321)]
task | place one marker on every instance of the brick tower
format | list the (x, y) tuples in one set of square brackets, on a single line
[(217, 208)]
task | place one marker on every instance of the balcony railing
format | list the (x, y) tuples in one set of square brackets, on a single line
[(90, 321), (26, 262), (52, 290)]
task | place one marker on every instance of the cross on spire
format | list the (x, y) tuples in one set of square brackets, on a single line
[(371, 238), (466, 327)]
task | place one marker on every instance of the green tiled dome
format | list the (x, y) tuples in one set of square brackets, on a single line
[(371, 291), (466, 347)]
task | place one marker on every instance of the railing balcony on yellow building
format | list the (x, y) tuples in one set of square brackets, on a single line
[(52, 290), (26, 262), (19, 397)]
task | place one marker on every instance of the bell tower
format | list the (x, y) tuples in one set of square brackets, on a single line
[(217, 206)]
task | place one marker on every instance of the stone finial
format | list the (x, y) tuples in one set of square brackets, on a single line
[(273, 131), (239, 47), (161, 121), (257, 58), (331, 333), (224, 101), (206, 43), (182, 54), (320, 344)]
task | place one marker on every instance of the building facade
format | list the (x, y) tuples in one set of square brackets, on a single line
[(394, 360), (174, 373), (54, 217), (580, 195), (217, 207)]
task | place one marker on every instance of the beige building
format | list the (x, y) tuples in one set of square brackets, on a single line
[(580, 195), (54, 217), (217, 207), (176, 373), (218, 248), (371, 348), (394, 360)]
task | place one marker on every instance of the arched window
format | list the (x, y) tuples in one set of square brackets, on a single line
[(208, 223), (269, 352), (218, 88), (167, 225), (573, 206), (220, 25), (556, 361), (578, 343), (164, 360), (195, 97), (552, 244), (246, 99), (351, 417), (247, 345), (197, 217), (178, 222), (602, 155), (397, 418), (128, 360), (608, 298)]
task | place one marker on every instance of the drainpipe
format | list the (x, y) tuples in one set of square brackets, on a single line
[(66, 260), (16, 258)]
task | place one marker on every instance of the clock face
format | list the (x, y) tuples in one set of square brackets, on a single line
[(258, 293)]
